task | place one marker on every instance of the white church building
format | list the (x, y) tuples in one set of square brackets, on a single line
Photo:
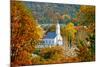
[(53, 38)]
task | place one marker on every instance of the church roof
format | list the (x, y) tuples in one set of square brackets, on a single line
[(50, 35)]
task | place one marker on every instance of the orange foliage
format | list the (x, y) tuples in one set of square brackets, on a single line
[(25, 32)]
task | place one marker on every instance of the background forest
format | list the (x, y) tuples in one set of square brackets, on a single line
[(30, 21)]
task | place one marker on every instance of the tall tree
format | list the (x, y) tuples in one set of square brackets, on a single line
[(25, 34), (70, 33)]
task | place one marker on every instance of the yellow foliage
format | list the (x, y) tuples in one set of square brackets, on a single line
[(26, 33), (70, 30)]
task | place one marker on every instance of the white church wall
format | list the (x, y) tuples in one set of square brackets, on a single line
[(55, 41), (49, 41), (58, 37)]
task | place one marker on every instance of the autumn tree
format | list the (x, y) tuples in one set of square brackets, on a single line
[(25, 34), (86, 14), (70, 33), (86, 17)]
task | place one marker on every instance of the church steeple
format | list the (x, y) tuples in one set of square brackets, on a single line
[(58, 29)]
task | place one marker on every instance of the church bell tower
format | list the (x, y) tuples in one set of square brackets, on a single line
[(58, 37), (58, 29)]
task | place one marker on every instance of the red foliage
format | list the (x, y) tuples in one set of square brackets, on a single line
[(25, 34)]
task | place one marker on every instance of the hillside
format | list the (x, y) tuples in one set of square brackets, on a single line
[(46, 13)]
